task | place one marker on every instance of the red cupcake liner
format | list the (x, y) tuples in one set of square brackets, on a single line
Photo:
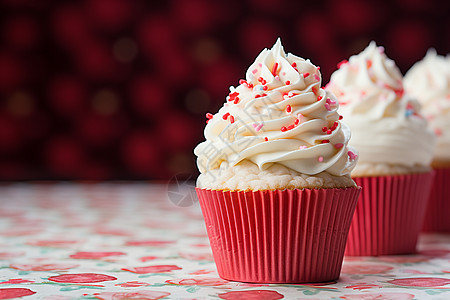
[(437, 217), (289, 236), (389, 214)]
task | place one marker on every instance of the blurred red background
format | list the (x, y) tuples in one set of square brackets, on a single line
[(118, 89)]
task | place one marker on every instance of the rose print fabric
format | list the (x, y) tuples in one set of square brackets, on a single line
[(141, 241)]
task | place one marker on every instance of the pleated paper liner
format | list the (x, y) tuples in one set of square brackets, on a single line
[(288, 236), (437, 217), (389, 214)]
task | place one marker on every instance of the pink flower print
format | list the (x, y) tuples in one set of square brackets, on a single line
[(152, 269), (251, 295), (81, 278), (379, 296), (197, 256), (19, 232), (421, 281), (365, 269), (141, 295), (16, 281), (149, 243), (198, 281), (43, 267), (363, 286), (147, 258), (53, 243), (133, 284), (11, 293), (95, 255), (201, 272), (112, 231)]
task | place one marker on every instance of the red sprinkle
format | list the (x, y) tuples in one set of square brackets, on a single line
[(341, 117), (242, 81), (231, 119), (236, 100), (225, 116), (209, 116), (257, 96), (274, 69), (314, 89), (294, 64), (265, 88), (324, 129), (296, 121), (341, 63), (266, 139), (290, 127), (335, 125), (305, 75), (283, 128), (325, 141), (288, 108), (262, 80), (319, 98), (329, 131), (288, 82)]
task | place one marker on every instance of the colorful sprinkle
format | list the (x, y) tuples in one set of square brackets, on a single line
[(327, 106), (288, 109), (341, 63), (331, 102), (338, 145), (225, 116), (302, 147), (274, 69), (257, 126), (320, 158), (277, 77), (255, 71), (236, 100), (352, 155)]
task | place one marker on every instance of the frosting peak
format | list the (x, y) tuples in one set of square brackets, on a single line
[(279, 114)]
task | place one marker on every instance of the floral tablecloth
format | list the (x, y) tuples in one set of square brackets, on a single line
[(148, 241)]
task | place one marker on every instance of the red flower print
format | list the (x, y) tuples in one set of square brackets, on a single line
[(252, 295), (53, 243), (141, 295), (365, 269), (421, 281), (198, 281), (95, 255), (149, 243), (197, 256), (43, 267), (147, 258), (133, 284), (362, 286), (7, 255), (11, 293), (81, 278), (16, 281), (152, 269), (379, 296)]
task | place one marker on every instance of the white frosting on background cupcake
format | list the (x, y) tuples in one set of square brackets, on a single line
[(387, 128), (429, 81)]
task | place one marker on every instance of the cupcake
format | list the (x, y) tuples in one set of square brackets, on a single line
[(395, 147), (429, 82), (275, 186)]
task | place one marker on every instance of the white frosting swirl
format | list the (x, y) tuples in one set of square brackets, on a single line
[(429, 81), (386, 125), (278, 115)]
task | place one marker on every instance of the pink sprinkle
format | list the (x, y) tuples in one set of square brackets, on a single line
[(284, 73), (302, 147), (331, 102), (320, 158), (255, 71), (338, 145), (274, 69), (277, 77), (260, 64), (352, 155), (305, 75), (438, 131), (300, 116), (316, 77), (257, 126), (327, 106)]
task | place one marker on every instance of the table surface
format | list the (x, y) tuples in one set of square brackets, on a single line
[(148, 241)]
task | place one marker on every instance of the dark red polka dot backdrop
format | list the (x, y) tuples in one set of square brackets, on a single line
[(118, 89)]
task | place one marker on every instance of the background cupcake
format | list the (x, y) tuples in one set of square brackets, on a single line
[(395, 146), (275, 186), (429, 82)]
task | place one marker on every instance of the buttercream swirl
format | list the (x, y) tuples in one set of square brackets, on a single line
[(279, 114), (386, 124), (429, 81)]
